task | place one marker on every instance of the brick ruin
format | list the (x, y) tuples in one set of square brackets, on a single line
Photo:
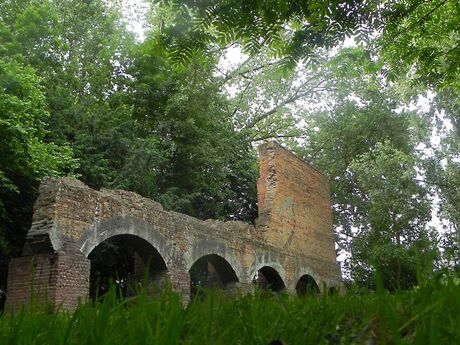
[(290, 248)]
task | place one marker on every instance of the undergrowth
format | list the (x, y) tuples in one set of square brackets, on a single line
[(428, 314)]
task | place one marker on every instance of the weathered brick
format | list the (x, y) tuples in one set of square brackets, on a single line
[(293, 234)]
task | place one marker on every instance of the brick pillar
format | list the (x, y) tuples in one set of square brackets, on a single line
[(71, 280), (29, 276), (56, 278), (290, 290), (245, 288), (180, 281)]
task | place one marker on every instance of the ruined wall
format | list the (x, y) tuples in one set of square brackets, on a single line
[(295, 208), (293, 234)]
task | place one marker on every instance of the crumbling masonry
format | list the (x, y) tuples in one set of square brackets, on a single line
[(290, 247)]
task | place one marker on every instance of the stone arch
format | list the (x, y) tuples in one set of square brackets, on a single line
[(268, 259), (306, 285), (100, 231), (268, 278), (304, 269), (207, 247), (333, 290), (125, 225), (212, 271), (127, 260), (215, 253)]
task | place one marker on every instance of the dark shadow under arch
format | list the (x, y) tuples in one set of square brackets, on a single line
[(267, 278), (333, 290), (212, 272), (307, 286), (127, 261)]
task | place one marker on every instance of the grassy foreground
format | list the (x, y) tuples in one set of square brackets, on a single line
[(429, 314)]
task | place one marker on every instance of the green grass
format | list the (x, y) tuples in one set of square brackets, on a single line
[(429, 314)]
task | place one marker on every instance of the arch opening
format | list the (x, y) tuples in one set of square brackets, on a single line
[(307, 286), (268, 279), (333, 290), (128, 262), (212, 272)]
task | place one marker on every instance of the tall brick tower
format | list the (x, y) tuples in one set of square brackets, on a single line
[(295, 209)]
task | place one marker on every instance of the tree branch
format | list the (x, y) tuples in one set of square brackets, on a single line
[(243, 73), (297, 95), (425, 16), (273, 136), (241, 98)]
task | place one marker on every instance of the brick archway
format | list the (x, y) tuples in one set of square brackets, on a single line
[(212, 271), (268, 278), (206, 247), (124, 225), (307, 285), (128, 261)]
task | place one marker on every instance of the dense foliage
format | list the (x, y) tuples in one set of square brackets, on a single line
[(292, 29), (421, 47)]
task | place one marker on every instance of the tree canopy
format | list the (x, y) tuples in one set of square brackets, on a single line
[(291, 29)]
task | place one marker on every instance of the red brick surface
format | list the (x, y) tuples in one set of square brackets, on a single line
[(295, 199), (59, 279)]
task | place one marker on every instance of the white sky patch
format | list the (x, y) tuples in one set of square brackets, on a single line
[(232, 59), (135, 13), (441, 225), (349, 42), (423, 103), (438, 133)]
